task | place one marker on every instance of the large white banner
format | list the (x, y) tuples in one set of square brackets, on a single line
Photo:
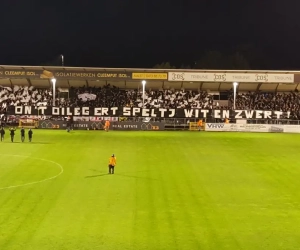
[(229, 77)]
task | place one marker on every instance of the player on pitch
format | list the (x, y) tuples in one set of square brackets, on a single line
[(2, 133), (30, 133), (22, 134), (12, 134), (111, 164)]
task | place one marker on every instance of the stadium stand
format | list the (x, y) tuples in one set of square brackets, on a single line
[(109, 96), (268, 101), (106, 96)]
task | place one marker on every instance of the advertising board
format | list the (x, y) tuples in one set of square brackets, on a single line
[(149, 76), (291, 128), (230, 77), (222, 127), (63, 74), (98, 125)]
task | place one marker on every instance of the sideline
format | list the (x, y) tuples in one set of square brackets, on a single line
[(35, 182)]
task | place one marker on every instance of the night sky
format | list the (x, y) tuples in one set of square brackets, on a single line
[(141, 33)]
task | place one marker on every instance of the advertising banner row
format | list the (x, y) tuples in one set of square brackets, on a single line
[(98, 125), (170, 76), (144, 112), (230, 77), (82, 74), (264, 128)]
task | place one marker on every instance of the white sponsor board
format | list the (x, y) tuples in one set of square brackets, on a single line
[(264, 128), (229, 77), (291, 128)]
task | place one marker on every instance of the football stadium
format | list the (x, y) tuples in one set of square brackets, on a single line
[(96, 158)]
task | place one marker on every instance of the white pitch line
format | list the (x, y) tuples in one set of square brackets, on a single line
[(35, 182)]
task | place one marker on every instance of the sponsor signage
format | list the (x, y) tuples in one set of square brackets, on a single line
[(222, 127), (20, 73), (150, 76), (98, 125), (153, 126), (171, 76), (230, 77), (144, 112), (291, 128), (52, 124), (63, 74), (146, 126)]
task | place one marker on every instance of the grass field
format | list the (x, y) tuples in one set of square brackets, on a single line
[(171, 190)]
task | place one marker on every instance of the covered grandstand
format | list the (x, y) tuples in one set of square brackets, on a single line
[(40, 77)]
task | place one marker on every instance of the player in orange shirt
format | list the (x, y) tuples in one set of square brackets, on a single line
[(111, 164)]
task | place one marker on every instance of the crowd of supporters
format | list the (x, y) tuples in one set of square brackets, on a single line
[(24, 96), (268, 101), (108, 96), (111, 96), (286, 102)]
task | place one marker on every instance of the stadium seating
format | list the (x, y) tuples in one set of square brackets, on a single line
[(106, 96), (268, 101), (109, 96)]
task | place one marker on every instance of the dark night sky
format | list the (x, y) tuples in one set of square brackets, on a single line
[(141, 33)]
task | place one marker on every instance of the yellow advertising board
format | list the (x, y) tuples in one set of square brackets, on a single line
[(150, 76)]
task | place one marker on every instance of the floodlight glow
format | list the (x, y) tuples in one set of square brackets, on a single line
[(144, 83), (62, 60), (235, 84), (53, 80)]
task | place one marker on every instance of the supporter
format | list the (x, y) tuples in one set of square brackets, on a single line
[(106, 96), (286, 102), (111, 96)]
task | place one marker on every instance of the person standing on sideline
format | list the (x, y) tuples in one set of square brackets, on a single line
[(12, 134), (22, 134), (2, 133), (107, 125), (68, 126), (30, 133), (111, 164), (200, 125)]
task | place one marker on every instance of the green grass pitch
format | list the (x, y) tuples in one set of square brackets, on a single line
[(171, 190)]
